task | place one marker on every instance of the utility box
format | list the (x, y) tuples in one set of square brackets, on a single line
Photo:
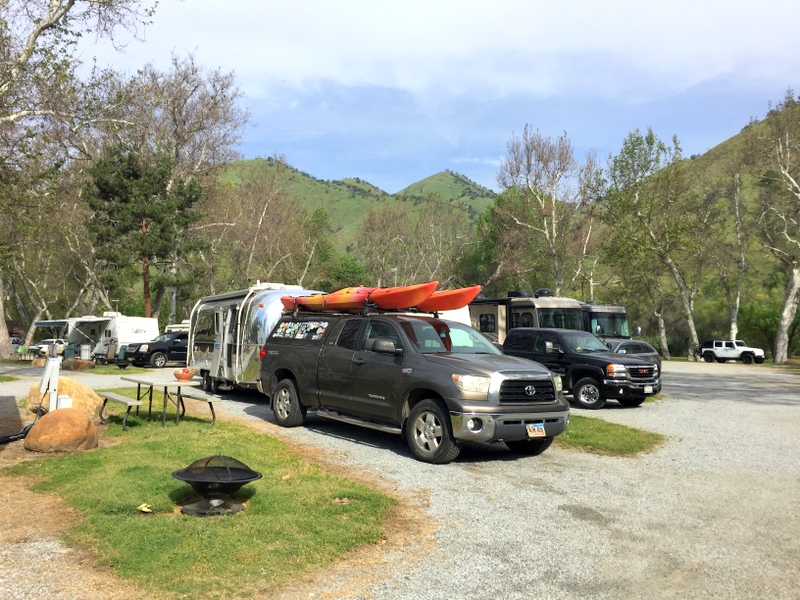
[(86, 352)]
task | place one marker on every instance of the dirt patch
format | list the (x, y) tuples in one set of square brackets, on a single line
[(31, 524)]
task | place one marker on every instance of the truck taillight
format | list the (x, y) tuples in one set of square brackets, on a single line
[(262, 353)]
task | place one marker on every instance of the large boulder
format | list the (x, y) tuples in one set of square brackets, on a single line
[(83, 397), (63, 430), (77, 364)]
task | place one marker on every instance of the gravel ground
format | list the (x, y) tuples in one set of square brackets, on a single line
[(713, 513)]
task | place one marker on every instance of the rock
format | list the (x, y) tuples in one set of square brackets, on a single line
[(84, 398), (63, 430)]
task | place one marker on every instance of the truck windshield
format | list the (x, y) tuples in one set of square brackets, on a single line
[(582, 341), (434, 336)]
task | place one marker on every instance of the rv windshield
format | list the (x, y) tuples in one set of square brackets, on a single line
[(560, 318), (610, 324)]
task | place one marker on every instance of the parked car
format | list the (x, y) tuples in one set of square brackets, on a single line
[(590, 372), (42, 347), (637, 348), (722, 350), (15, 344), (166, 348)]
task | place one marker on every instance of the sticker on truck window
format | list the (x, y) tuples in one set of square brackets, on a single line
[(303, 330)]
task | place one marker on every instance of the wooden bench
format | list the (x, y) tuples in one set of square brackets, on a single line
[(120, 399), (194, 394)]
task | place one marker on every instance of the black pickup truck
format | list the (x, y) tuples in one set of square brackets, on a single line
[(590, 373), (437, 383)]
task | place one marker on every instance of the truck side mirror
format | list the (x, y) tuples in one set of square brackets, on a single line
[(386, 346), (638, 332), (548, 347)]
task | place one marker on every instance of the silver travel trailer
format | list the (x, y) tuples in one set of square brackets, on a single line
[(227, 331)]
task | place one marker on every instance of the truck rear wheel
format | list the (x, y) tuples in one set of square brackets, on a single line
[(428, 434), (531, 447), (286, 405), (708, 357), (587, 394)]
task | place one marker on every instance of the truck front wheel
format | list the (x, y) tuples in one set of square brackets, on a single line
[(428, 434), (747, 359), (531, 447), (587, 394), (158, 360), (286, 404)]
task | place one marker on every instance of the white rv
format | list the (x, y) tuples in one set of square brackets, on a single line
[(99, 338), (227, 331)]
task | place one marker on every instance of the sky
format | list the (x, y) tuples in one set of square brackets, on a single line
[(393, 91)]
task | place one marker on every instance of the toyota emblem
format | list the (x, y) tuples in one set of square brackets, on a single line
[(530, 390)]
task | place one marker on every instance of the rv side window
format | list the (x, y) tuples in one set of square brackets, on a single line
[(204, 329), (487, 323), (526, 320)]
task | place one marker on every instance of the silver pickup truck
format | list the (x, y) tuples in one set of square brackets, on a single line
[(438, 383)]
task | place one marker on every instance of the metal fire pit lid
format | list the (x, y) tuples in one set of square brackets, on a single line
[(217, 468)]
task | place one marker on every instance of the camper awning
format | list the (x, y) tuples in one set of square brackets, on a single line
[(55, 323)]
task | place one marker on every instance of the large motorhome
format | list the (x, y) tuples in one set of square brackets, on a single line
[(227, 331), (496, 316), (607, 321), (99, 338)]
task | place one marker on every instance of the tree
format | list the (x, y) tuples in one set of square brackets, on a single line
[(140, 212), (780, 202), (651, 209), (554, 194), (37, 81)]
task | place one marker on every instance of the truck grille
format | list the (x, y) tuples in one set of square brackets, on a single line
[(517, 391), (642, 374)]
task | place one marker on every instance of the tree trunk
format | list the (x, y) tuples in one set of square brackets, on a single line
[(662, 336), (5, 340), (788, 312), (146, 282)]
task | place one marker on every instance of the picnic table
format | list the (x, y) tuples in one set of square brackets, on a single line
[(146, 383)]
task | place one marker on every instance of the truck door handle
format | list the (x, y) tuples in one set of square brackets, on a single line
[(358, 361)]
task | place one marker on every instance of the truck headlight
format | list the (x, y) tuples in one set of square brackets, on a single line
[(143, 348), (558, 383), (472, 383), (616, 370)]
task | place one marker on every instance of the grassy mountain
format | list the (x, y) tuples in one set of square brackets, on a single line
[(347, 201)]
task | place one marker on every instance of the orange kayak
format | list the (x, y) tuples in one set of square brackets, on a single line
[(356, 298), (449, 299)]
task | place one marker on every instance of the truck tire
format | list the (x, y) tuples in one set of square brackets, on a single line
[(286, 405), (759, 360), (586, 394), (158, 359), (631, 402), (210, 384), (708, 357), (530, 447), (747, 359), (721, 360), (428, 434)]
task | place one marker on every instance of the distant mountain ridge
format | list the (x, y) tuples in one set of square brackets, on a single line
[(348, 200)]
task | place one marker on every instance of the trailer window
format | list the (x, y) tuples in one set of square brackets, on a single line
[(487, 323), (204, 327)]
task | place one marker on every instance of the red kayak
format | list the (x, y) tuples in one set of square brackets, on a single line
[(449, 299), (356, 298)]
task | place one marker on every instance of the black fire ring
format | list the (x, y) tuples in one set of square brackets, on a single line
[(215, 479)]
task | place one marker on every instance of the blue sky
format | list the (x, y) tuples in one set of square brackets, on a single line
[(393, 91)]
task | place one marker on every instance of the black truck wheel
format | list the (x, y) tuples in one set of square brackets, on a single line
[(531, 447), (428, 434), (747, 359), (708, 357), (587, 394), (158, 359), (286, 405)]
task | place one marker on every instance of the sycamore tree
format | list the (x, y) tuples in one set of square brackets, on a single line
[(554, 193), (780, 205), (38, 88), (652, 209)]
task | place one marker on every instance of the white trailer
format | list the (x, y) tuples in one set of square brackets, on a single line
[(99, 338), (227, 332)]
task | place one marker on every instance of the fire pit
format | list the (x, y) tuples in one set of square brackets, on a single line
[(215, 478)]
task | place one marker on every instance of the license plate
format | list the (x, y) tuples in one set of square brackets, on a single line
[(648, 389), (536, 430)]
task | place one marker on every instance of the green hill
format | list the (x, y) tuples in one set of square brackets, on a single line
[(347, 201)]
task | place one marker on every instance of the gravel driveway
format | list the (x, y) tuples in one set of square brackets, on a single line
[(714, 513)]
